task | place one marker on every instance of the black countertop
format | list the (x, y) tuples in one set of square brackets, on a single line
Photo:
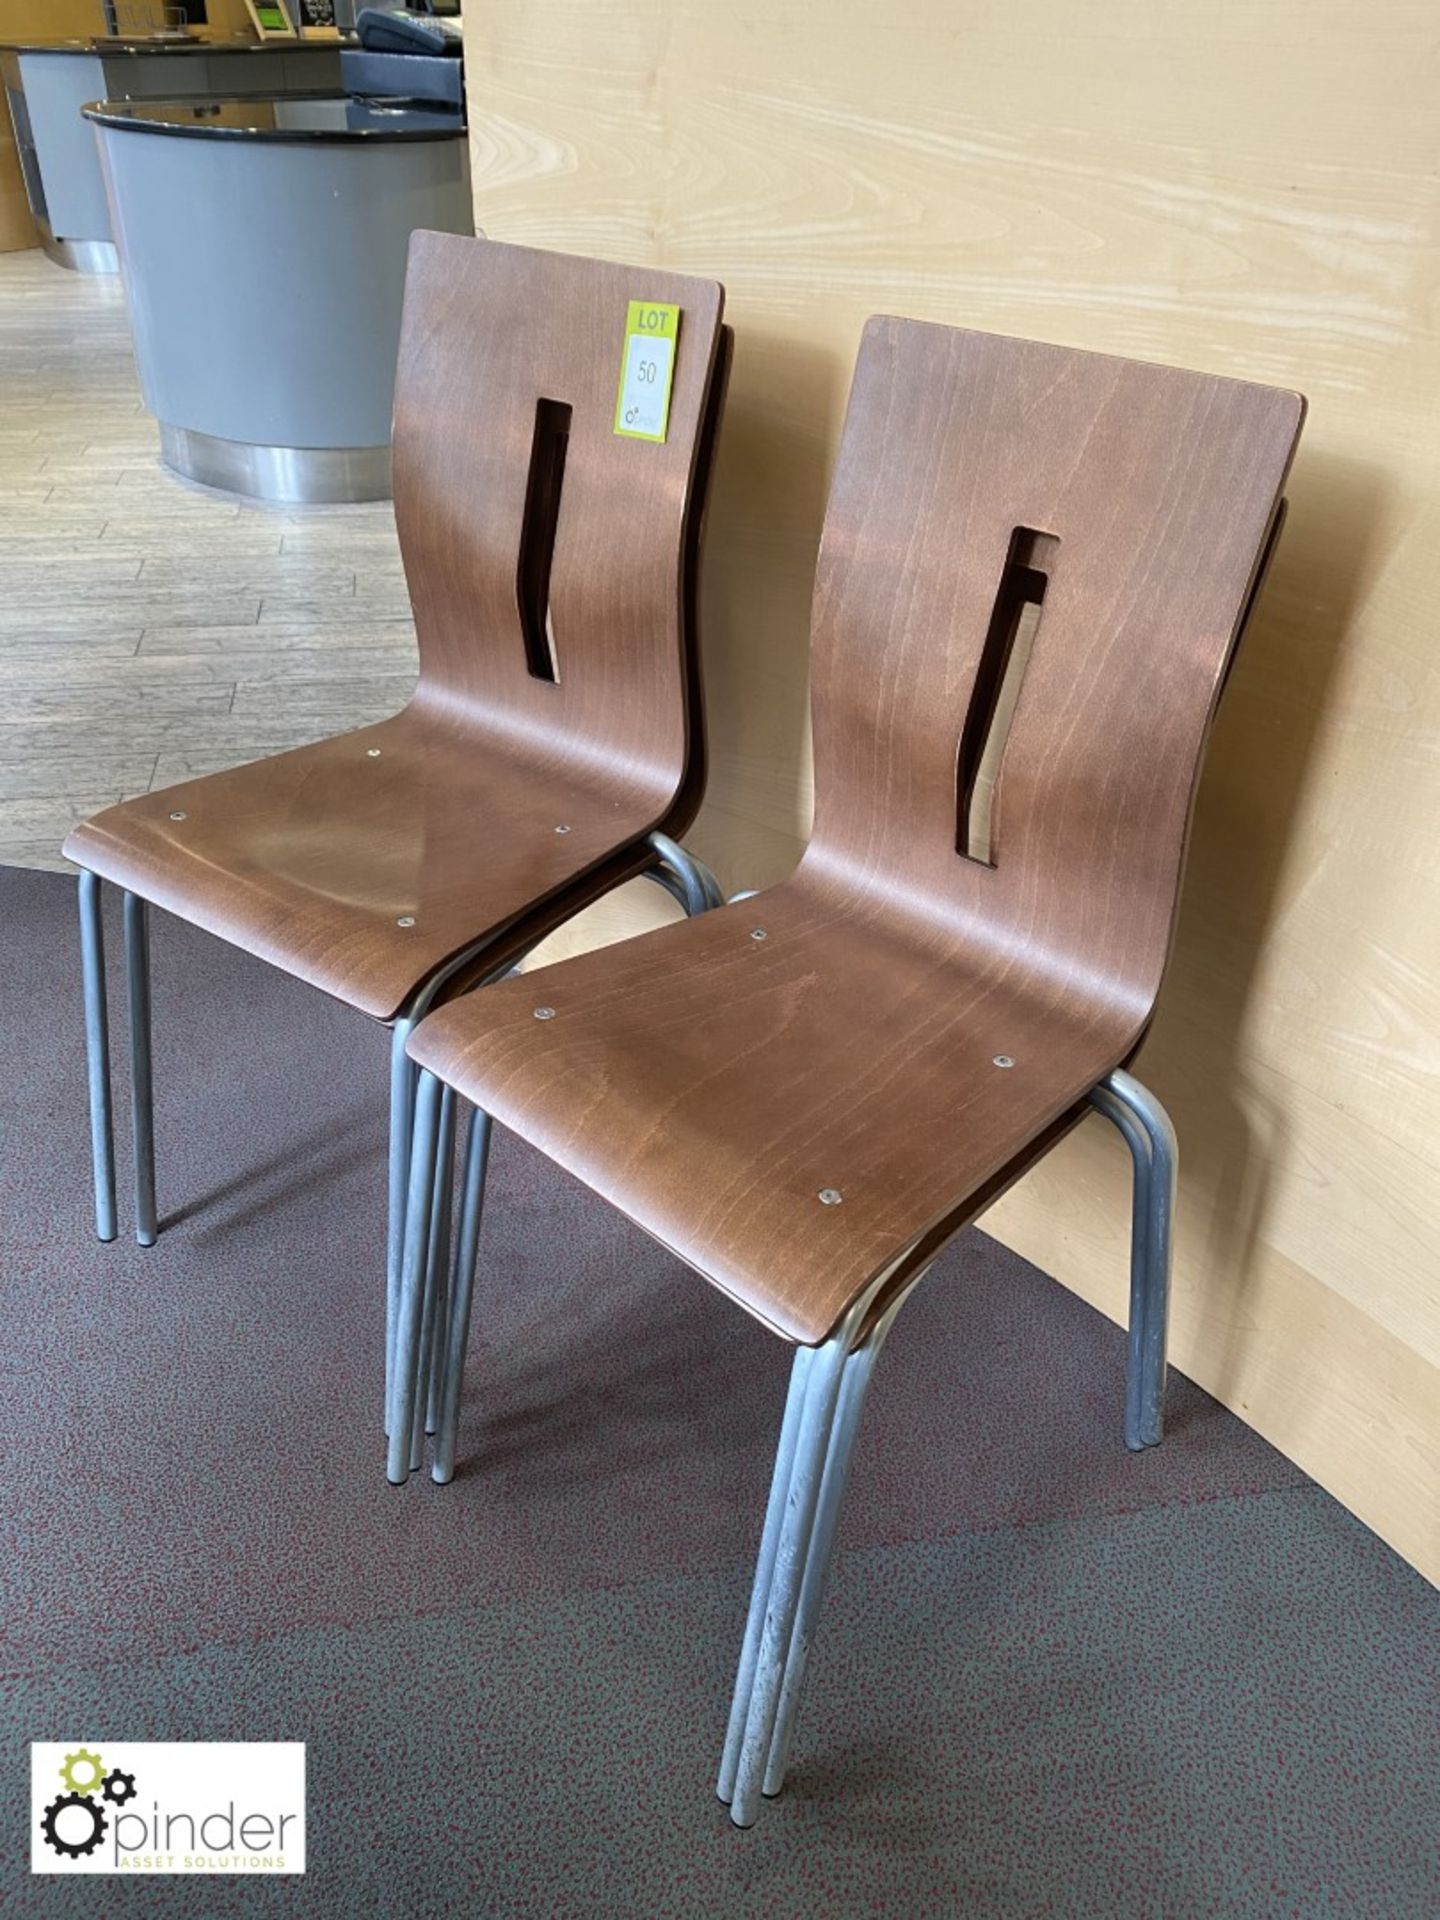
[(298, 119), (138, 46)]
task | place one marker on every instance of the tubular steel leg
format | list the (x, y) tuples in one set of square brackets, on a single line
[(142, 1081), (97, 1052), (792, 1551), (764, 1568), (702, 889), (851, 1405), (672, 884), (1160, 1208), (812, 1465), (1120, 1116), (437, 1262), (858, 1369), (440, 1240), (1148, 1133), (402, 1102), (472, 1206), (696, 889), (425, 1130)]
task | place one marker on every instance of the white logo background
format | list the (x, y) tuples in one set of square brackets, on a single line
[(198, 1807)]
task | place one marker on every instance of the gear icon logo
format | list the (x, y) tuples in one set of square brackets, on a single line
[(78, 1819), (88, 1765), (78, 1839), (118, 1787)]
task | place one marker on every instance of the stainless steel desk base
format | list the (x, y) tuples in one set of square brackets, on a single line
[(304, 476), (80, 256)]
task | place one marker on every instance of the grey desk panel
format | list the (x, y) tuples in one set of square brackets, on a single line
[(265, 279), (56, 87), (58, 83), (160, 76), (314, 70)]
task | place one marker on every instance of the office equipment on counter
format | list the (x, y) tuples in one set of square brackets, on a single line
[(405, 55), (347, 12), (271, 19), (383, 30)]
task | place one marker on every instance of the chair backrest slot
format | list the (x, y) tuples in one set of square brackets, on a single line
[(548, 558), (537, 536), (1009, 640), (993, 494)]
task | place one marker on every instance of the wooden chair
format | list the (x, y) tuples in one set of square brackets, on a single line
[(554, 745), (804, 1095)]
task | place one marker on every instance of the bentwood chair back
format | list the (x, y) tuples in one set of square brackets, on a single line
[(553, 746), (1034, 569), (544, 550)]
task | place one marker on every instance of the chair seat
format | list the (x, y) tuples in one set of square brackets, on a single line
[(363, 863), (712, 1085)]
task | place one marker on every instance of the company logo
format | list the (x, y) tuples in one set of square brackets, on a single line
[(77, 1820), (176, 1807)]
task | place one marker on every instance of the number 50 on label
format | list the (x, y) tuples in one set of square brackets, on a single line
[(647, 370)]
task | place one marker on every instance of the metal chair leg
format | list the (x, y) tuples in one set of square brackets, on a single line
[(441, 1235), (700, 889), (142, 1082), (853, 1386), (671, 883), (425, 1133), (437, 1262), (472, 1205), (402, 1105), (792, 1551), (690, 882), (764, 1569), (812, 1465), (97, 1054), (1150, 1136)]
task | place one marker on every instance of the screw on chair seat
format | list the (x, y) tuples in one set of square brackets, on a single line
[(714, 1087), (363, 863), (919, 1018), (551, 563)]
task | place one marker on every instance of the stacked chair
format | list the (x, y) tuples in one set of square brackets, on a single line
[(1035, 566), (554, 745)]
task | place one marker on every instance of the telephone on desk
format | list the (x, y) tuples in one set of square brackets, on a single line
[(383, 31)]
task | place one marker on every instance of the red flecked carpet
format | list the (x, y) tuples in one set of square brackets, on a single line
[(1054, 1678)]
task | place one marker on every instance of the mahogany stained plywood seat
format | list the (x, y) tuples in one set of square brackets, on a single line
[(714, 1087), (804, 1093), (363, 863)]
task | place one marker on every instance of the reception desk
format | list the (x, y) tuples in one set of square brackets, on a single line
[(47, 86), (263, 244)]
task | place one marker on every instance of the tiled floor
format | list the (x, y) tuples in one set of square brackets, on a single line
[(151, 630)]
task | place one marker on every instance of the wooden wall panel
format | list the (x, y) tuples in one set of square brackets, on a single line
[(28, 20), (17, 229), (45, 20), (1244, 190)]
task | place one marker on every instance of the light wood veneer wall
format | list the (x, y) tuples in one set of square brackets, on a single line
[(17, 229), (1250, 191), (32, 20)]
